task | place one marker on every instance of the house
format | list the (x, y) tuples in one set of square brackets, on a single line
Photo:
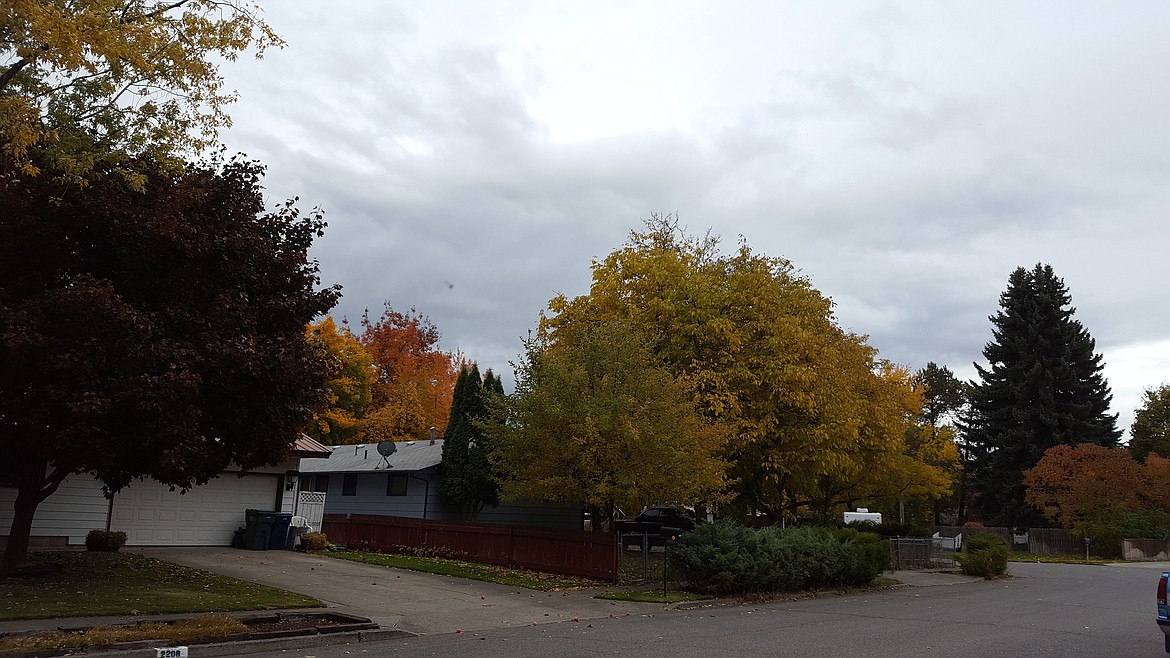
[(359, 479), (152, 515)]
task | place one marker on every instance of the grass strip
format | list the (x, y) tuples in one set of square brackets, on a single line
[(1059, 559), (206, 626), (95, 584), (653, 596), (510, 576)]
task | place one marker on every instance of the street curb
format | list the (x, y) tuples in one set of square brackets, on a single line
[(242, 647)]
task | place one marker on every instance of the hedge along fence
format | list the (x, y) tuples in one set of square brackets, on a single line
[(725, 558)]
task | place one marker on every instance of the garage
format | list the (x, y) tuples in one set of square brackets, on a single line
[(152, 515)]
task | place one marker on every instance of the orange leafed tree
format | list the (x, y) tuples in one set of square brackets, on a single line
[(1073, 484), (413, 379)]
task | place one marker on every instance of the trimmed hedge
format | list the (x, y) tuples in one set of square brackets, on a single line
[(891, 529), (984, 555), (725, 558), (105, 541)]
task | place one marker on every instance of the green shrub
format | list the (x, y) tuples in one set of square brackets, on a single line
[(870, 553), (891, 529), (984, 555), (1113, 523), (724, 558), (105, 540)]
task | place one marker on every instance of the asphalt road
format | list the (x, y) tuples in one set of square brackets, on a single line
[(1043, 610)]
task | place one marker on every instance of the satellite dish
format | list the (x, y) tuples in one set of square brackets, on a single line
[(387, 448)]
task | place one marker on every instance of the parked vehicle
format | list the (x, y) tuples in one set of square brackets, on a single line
[(647, 526), (1163, 608)]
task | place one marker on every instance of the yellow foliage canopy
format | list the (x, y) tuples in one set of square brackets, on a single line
[(350, 386), (597, 419), (83, 79), (758, 348)]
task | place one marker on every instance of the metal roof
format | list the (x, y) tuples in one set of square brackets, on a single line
[(410, 456), (305, 447)]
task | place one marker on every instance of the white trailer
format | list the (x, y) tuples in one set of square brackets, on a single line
[(863, 514)]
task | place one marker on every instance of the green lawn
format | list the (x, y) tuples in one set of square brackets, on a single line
[(654, 596), (127, 583), (511, 576), (1060, 559)]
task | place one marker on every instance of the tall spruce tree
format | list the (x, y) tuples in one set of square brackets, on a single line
[(1043, 387), (468, 481)]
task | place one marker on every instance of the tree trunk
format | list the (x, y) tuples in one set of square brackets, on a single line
[(33, 487)]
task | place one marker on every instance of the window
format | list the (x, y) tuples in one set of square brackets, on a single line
[(349, 485), (396, 485), (321, 483)]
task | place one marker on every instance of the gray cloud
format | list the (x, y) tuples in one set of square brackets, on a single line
[(905, 157)]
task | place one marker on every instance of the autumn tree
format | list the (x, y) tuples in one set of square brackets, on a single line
[(350, 384), (757, 347), (155, 333), (1043, 387), (896, 460), (469, 480), (597, 420), (414, 379), (1150, 432), (109, 79), (1101, 492)]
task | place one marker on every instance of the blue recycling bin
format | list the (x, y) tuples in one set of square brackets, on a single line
[(279, 533)]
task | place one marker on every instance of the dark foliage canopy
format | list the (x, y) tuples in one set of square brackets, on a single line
[(1043, 387), (154, 333)]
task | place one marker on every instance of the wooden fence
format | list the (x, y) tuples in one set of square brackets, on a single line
[(1145, 549), (574, 552), (1053, 541)]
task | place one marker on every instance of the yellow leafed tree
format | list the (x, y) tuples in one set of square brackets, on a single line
[(597, 419), (758, 348), (350, 384), (82, 80)]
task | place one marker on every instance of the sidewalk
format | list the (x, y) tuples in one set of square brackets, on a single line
[(931, 577)]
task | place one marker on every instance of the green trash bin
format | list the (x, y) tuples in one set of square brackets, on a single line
[(258, 529)]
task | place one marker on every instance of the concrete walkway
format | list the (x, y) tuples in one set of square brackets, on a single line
[(399, 599)]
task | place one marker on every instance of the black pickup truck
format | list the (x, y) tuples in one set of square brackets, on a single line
[(648, 525)]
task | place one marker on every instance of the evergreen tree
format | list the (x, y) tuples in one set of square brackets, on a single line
[(468, 481), (1043, 387)]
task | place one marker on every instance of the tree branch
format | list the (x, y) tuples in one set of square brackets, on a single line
[(8, 75)]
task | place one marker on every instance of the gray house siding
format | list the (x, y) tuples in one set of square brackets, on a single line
[(65, 517), (371, 498), (422, 462), (538, 515)]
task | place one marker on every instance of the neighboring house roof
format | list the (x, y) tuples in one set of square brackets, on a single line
[(305, 446), (409, 456)]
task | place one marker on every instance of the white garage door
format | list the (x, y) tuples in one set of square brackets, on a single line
[(150, 515)]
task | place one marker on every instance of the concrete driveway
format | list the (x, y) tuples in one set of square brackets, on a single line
[(398, 599)]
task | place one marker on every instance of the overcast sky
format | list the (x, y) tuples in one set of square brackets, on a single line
[(474, 157)]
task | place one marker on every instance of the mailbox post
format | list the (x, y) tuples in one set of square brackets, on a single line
[(668, 536)]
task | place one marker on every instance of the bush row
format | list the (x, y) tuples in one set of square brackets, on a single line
[(725, 558)]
